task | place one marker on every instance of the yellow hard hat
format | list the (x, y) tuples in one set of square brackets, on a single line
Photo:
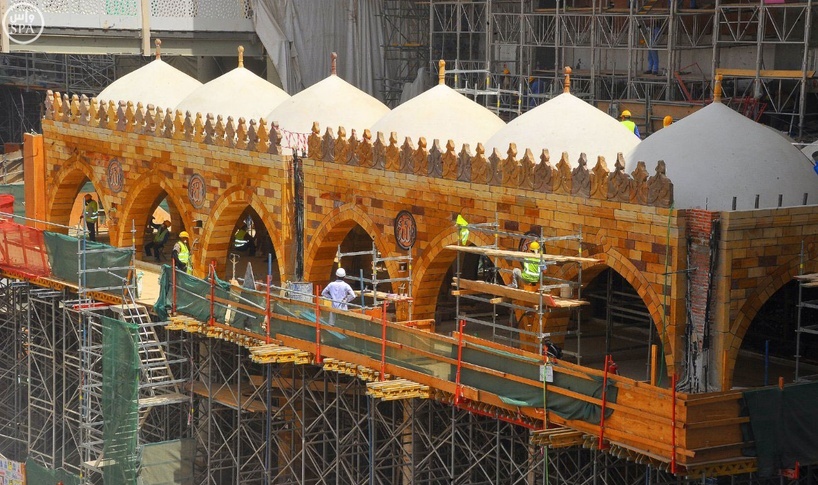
[(626, 114), (183, 234), (534, 246), (667, 121)]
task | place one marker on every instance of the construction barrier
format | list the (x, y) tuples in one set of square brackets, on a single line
[(23, 248)]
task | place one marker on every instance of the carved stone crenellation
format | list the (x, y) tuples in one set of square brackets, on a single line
[(375, 151), (449, 166), (562, 176), (393, 154), (435, 163), (328, 146), (660, 188), (581, 178), (420, 158), (544, 174), (619, 183), (314, 143)]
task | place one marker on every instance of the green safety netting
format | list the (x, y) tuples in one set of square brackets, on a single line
[(417, 352), (120, 401), (783, 426), (104, 266), (37, 474)]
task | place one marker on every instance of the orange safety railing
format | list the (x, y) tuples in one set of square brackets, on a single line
[(23, 249)]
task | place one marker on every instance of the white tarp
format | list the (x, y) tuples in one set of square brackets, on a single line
[(300, 37)]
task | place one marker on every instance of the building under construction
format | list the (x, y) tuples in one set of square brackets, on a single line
[(659, 331)]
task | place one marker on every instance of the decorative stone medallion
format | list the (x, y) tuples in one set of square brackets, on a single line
[(196, 190), (406, 230), (115, 175)]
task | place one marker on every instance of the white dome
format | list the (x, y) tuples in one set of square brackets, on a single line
[(156, 83), (440, 113), (566, 124), (716, 154), (238, 93), (332, 102)]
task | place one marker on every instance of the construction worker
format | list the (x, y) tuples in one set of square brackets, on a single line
[(243, 241), (531, 266), (625, 119), (462, 230), (181, 254), (91, 214), (154, 248), (339, 292)]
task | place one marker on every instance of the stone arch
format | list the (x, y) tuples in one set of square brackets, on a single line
[(752, 305), (614, 260), (433, 264), (221, 221), (319, 257), (138, 204), (65, 187)]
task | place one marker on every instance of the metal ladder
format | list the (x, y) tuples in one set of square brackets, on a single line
[(157, 385)]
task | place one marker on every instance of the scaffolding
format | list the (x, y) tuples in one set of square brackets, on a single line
[(261, 422), (607, 43), (372, 286), (529, 305), (808, 306), (406, 50), (26, 77)]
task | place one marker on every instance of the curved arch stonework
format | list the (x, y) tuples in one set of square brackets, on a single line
[(320, 254), (139, 202), (734, 337), (65, 185), (218, 231), (431, 267), (615, 261)]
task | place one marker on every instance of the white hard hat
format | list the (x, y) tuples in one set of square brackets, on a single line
[(340, 273)]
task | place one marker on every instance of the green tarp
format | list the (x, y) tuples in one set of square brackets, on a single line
[(415, 351), (120, 401), (192, 296), (37, 474), (784, 426), (99, 259)]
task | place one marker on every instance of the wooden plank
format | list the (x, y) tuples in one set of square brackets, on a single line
[(765, 73), (555, 258), (530, 297)]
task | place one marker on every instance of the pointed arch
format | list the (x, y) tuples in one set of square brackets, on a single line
[(764, 290), (614, 260), (140, 201), (65, 187), (320, 255), (219, 229), (433, 264)]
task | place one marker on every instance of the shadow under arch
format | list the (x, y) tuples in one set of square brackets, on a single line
[(139, 206), (320, 256), (432, 266), (218, 231), (65, 189), (754, 302), (615, 261)]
